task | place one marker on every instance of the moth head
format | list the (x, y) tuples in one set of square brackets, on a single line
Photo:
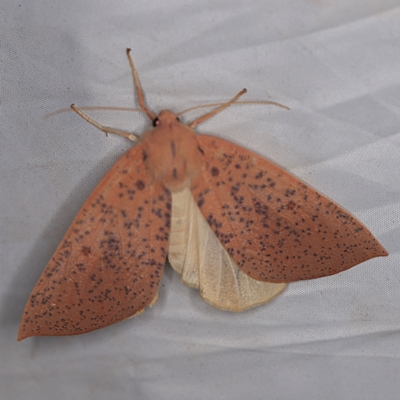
[(166, 117)]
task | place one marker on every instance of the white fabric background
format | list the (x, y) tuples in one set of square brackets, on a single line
[(336, 64)]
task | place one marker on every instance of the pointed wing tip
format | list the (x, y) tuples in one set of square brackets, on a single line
[(24, 334), (377, 251), (384, 252), (21, 336)]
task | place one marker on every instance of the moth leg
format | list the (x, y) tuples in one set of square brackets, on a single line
[(105, 129), (205, 117), (139, 90)]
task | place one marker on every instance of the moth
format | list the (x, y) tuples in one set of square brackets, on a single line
[(231, 223)]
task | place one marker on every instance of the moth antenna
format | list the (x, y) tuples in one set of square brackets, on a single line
[(93, 108), (272, 103), (139, 90), (105, 129), (222, 107)]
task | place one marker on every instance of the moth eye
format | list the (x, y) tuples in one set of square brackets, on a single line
[(156, 122), (177, 118)]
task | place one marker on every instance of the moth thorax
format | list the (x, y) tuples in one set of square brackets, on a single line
[(173, 156)]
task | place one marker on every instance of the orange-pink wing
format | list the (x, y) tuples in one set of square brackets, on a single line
[(109, 265), (275, 227)]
